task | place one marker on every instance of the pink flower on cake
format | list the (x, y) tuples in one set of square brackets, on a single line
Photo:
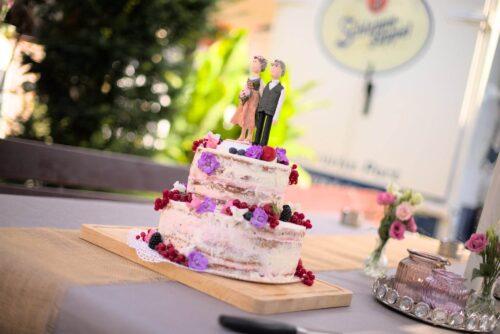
[(411, 225), (385, 198), (148, 236), (212, 140), (208, 205), (197, 261), (259, 218), (195, 203), (404, 211), (477, 242), (397, 230), (208, 163)]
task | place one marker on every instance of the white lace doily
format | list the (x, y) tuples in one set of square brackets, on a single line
[(142, 249)]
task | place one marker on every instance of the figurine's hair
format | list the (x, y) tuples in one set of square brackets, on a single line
[(262, 61), (281, 64)]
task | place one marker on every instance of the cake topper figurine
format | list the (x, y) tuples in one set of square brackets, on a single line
[(270, 104), (249, 99)]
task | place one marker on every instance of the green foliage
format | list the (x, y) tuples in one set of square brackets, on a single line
[(111, 69), (213, 87)]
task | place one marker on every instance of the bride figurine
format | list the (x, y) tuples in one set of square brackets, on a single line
[(249, 99)]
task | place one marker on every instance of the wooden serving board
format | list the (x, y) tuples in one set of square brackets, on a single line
[(251, 297)]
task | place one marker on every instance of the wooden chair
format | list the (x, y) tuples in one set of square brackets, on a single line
[(65, 171)]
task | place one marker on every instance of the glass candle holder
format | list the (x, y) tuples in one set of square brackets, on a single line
[(413, 270), (445, 290)]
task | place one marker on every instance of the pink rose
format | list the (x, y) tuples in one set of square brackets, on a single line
[(411, 225), (195, 203), (212, 140), (397, 230), (385, 198), (477, 242), (404, 211)]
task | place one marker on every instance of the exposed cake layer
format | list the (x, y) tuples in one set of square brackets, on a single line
[(233, 247), (250, 180)]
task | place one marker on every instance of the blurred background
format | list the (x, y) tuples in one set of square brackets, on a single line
[(378, 91)]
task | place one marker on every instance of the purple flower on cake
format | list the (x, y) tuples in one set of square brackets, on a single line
[(212, 140), (197, 261), (208, 163), (385, 198), (254, 151), (281, 156), (208, 205), (259, 218), (404, 211), (397, 230)]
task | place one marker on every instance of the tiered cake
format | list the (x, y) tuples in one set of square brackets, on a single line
[(231, 219)]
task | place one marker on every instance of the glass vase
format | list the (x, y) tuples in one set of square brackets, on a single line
[(445, 290), (413, 270), (376, 263), (482, 301)]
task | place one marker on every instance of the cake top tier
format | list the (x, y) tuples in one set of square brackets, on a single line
[(224, 176)]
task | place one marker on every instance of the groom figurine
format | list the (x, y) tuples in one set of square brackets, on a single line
[(270, 104)]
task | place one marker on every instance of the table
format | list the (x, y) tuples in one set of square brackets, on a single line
[(170, 307)]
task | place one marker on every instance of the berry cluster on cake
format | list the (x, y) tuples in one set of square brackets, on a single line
[(230, 219)]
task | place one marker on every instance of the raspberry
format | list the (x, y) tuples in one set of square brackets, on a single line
[(176, 197), (158, 204), (197, 143), (248, 215), (253, 207), (243, 205), (294, 177), (308, 281), (165, 193), (237, 203), (268, 208), (189, 197), (154, 240), (286, 214), (137, 237), (233, 150), (268, 153)]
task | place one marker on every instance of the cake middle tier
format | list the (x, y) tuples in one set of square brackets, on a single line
[(232, 176)]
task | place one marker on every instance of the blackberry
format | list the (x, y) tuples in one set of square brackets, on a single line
[(233, 150), (154, 240), (241, 152), (286, 214), (248, 215)]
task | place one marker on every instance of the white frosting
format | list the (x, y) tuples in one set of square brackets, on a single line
[(238, 177), (232, 245)]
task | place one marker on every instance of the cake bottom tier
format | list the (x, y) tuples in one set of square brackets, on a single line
[(235, 248)]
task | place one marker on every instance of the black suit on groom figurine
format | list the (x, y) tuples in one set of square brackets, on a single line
[(269, 104)]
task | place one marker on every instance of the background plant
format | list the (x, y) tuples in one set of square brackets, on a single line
[(111, 69)]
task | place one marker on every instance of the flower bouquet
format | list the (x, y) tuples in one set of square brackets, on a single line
[(398, 218), (488, 247)]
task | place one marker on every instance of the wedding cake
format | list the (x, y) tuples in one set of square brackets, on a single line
[(231, 218)]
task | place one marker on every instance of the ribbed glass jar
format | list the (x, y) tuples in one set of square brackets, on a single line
[(445, 290), (413, 270)]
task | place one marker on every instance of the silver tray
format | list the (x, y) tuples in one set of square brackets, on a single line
[(384, 293)]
